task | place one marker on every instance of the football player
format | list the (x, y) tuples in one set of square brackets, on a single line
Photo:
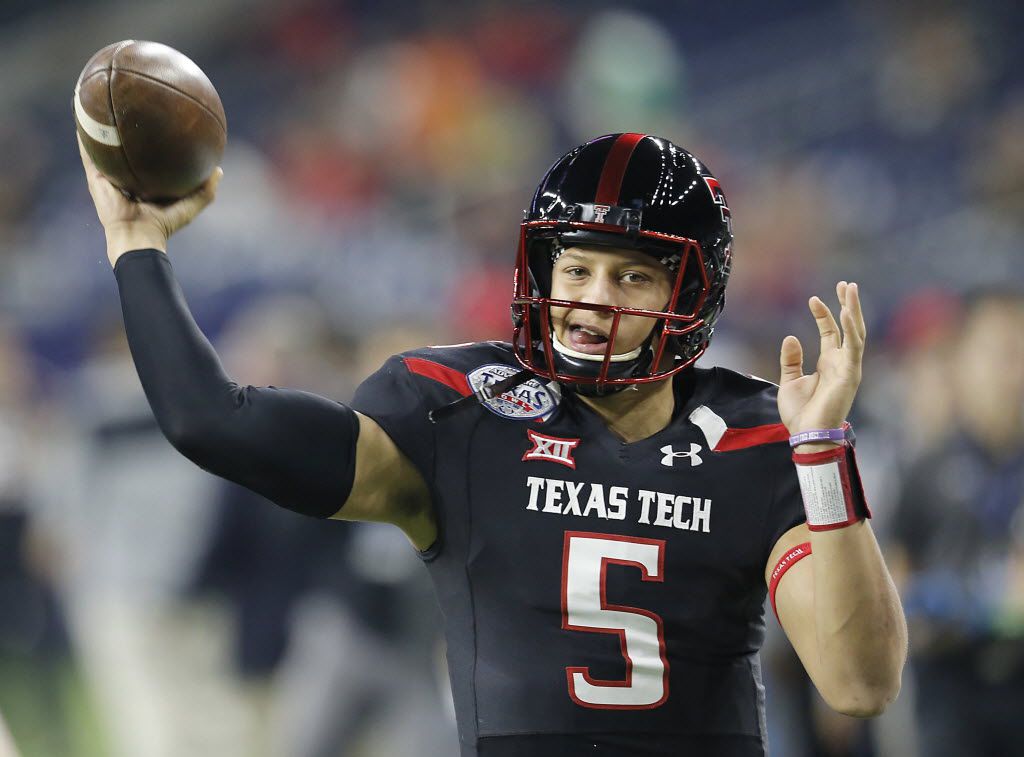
[(603, 520)]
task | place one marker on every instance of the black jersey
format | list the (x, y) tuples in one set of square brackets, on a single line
[(599, 597)]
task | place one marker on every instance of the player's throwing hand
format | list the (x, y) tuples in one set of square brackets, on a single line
[(823, 399), (131, 224)]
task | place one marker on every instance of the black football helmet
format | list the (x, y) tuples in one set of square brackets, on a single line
[(631, 191)]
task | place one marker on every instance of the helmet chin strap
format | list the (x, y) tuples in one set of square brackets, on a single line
[(568, 352)]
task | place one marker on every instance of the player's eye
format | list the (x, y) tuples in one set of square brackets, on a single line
[(635, 277), (575, 272)]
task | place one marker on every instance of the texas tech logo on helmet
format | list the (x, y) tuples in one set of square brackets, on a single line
[(719, 197)]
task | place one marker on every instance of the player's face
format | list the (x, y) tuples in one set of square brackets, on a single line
[(607, 276)]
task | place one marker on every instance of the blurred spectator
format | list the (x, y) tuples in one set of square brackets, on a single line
[(40, 684), (918, 89), (960, 530), (922, 337), (334, 623)]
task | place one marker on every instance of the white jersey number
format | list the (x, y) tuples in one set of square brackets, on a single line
[(641, 633)]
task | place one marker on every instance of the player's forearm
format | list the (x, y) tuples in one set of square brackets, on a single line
[(180, 372), (860, 628), (293, 447)]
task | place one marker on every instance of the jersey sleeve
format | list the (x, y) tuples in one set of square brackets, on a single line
[(391, 398), (292, 447)]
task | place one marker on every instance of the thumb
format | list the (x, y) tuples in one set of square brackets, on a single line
[(184, 210), (791, 360)]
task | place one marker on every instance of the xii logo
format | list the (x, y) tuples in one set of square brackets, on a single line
[(551, 448)]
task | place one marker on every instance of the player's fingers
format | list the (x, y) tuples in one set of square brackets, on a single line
[(184, 210), (857, 313), (92, 173), (86, 160), (87, 164), (853, 327), (210, 187), (206, 192), (107, 198), (828, 329), (791, 360)]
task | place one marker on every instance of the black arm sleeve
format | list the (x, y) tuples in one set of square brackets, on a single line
[(295, 448)]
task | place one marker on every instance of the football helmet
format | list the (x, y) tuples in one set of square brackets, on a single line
[(632, 191)]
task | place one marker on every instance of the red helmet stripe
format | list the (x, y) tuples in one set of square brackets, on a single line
[(610, 183)]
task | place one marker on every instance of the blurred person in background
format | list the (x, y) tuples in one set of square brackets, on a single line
[(922, 344), (958, 547), (41, 691), (496, 574), (128, 522), (332, 626)]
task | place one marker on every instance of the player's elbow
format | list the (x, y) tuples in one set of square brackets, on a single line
[(864, 699), (203, 441), (190, 440), (198, 429)]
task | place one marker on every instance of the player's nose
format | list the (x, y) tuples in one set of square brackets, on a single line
[(601, 289)]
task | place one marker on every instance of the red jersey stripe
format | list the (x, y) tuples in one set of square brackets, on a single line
[(610, 183), (741, 438), (440, 373)]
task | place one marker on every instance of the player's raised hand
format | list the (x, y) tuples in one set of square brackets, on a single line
[(132, 224), (823, 399)]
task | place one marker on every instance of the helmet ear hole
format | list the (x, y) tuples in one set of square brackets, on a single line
[(539, 253)]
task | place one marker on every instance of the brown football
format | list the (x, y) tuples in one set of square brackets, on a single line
[(150, 119)]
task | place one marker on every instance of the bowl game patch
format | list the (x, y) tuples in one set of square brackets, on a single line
[(529, 401)]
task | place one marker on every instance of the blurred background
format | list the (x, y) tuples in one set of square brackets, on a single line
[(378, 161)]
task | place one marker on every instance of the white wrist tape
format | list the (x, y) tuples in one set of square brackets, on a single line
[(831, 488)]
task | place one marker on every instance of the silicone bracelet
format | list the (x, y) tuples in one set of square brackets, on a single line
[(837, 435)]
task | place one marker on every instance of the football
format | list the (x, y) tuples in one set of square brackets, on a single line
[(150, 119)]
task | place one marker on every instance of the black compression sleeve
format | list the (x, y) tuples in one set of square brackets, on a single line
[(295, 448)]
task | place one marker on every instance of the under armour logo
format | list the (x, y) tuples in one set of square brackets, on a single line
[(551, 448), (600, 211), (671, 454)]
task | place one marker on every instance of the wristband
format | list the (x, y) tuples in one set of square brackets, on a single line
[(832, 490), (787, 561), (837, 435)]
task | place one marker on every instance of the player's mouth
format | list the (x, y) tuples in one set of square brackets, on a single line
[(587, 339)]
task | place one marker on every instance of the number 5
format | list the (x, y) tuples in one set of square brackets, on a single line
[(641, 633)]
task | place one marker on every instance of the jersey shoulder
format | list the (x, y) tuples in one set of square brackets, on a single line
[(464, 357), (741, 411), (748, 400), (445, 371)]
